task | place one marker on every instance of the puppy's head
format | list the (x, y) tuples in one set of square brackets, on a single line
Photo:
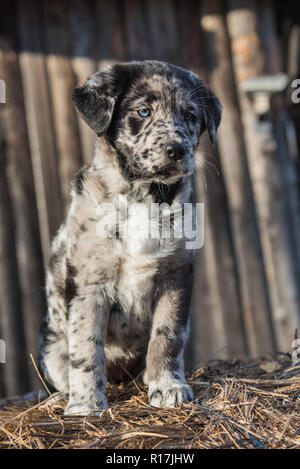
[(152, 113)]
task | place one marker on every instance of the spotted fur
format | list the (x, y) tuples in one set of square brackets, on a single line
[(117, 305)]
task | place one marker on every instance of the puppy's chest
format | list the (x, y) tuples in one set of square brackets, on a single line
[(146, 234), (142, 249)]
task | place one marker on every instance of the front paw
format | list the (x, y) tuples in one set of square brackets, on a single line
[(86, 408), (169, 393)]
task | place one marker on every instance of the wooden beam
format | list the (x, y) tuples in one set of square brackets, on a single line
[(252, 284), (250, 60), (62, 81), (15, 370), (21, 188), (81, 23), (39, 121)]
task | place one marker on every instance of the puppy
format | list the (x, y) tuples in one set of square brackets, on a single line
[(119, 303)]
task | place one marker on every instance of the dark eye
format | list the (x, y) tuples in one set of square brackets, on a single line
[(189, 116), (145, 112)]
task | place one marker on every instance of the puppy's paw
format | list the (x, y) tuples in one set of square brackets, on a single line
[(86, 408), (54, 400), (169, 393)]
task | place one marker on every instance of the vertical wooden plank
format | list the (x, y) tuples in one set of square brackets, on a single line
[(136, 30), (273, 60), (21, 187), (15, 371), (266, 175), (2, 365), (109, 44), (204, 343), (224, 262), (164, 42), (39, 120), (190, 36), (82, 27), (211, 267), (254, 296), (62, 81), (280, 252)]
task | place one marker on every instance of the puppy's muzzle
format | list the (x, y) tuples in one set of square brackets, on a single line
[(174, 151)]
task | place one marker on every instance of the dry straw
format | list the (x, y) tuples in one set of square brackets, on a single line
[(237, 405)]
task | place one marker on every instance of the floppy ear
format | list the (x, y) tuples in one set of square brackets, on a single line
[(212, 116), (96, 98)]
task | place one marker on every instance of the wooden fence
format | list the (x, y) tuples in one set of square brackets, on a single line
[(246, 287)]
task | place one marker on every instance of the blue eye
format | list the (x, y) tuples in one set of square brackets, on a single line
[(145, 112)]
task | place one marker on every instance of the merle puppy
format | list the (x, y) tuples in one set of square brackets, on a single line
[(119, 303)]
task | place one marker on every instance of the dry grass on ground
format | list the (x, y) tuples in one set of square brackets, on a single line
[(237, 405)]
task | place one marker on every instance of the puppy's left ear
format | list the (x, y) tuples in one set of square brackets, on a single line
[(95, 100), (212, 115)]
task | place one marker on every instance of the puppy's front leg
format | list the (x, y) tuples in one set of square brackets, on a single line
[(165, 357), (87, 375)]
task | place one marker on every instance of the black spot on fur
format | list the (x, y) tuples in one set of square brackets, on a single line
[(61, 290), (70, 285), (155, 393), (64, 357), (135, 125), (49, 335), (117, 308), (164, 192), (78, 180), (77, 363), (96, 340), (89, 368), (56, 256), (99, 383), (151, 97), (163, 330), (180, 134)]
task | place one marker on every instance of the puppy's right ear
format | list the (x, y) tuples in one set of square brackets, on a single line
[(95, 100)]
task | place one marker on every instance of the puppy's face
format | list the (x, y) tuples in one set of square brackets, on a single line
[(152, 113)]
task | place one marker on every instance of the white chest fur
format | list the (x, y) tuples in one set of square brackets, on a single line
[(142, 248)]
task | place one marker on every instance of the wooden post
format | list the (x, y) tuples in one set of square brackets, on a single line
[(273, 61), (21, 188), (39, 122), (62, 81), (254, 295), (81, 20), (109, 47), (15, 370), (249, 59), (2, 365), (136, 30), (164, 40)]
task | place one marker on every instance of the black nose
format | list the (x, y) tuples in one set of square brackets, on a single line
[(174, 150)]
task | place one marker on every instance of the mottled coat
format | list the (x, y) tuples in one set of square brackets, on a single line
[(119, 304)]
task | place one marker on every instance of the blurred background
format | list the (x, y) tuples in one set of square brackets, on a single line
[(246, 300)]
